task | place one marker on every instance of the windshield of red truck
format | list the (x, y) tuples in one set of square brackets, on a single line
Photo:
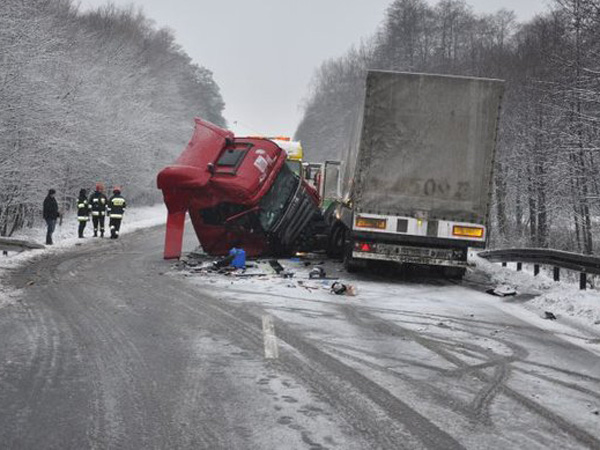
[(273, 205)]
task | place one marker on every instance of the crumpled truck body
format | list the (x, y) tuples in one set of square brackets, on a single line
[(233, 189)]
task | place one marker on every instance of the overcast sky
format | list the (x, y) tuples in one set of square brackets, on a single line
[(263, 52)]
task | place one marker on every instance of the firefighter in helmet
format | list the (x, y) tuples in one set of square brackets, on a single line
[(116, 209), (83, 211), (98, 202)]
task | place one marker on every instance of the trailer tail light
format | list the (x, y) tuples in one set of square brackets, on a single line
[(471, 232), (363, 247), (367, 222)]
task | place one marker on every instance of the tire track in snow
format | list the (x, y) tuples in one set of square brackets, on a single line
[(496, 384), (400, 426), (105, 352)]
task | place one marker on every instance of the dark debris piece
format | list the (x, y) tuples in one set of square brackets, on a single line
[(317, 272), (338, 288), (502, 291), (278, 268)]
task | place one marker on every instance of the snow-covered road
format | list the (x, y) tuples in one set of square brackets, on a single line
[(483, 369), (109, 347)]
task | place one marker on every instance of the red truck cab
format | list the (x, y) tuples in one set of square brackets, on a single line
[(238, 191)]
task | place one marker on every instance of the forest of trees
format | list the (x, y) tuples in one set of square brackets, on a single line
[(86, 97), (546, 179)]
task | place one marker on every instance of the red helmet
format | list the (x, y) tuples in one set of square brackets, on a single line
[(117, 189), (99, 187)]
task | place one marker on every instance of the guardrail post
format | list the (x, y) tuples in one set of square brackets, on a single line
[(556, 273), (582, 281), (519, 266), (536, 269)]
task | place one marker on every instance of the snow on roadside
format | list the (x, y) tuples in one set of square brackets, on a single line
[(564, 299), (65, 238)]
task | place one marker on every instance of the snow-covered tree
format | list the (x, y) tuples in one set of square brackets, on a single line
[(101, 96), (546, 190)]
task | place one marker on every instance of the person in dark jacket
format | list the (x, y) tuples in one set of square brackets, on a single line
[(83, 211), (98, 203), (51, 214), (116, 209)]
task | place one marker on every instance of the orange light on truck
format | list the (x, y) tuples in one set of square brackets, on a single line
[(472, 232), (367, 222)]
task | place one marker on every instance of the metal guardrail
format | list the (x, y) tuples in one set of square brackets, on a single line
[(17, 245), (584, 264)]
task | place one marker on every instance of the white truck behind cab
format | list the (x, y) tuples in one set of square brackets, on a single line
[(417, 181)]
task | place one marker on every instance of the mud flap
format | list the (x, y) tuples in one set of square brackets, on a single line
[(174, 235)]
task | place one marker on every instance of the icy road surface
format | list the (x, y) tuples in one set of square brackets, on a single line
[(108, 347)]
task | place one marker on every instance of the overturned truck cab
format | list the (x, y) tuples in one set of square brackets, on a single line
[(237, 191)]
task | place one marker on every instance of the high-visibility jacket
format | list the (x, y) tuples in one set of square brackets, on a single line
[(98, 203), (83, 209), (116, 206)]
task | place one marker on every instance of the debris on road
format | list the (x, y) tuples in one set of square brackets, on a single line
[(343, 289), (549, 315), (317, 272), (308, 287), (502, 291), (298, 272), (278, 268)]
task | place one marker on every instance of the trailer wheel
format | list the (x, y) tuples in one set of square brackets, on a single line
[(335, 243), (350, 263)]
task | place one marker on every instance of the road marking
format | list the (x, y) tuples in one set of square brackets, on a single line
[(271, 350)]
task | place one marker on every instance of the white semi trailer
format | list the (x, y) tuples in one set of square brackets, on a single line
[(417, 181)]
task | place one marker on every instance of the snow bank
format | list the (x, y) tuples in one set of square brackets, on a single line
[(65, 238), (563, 298)]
